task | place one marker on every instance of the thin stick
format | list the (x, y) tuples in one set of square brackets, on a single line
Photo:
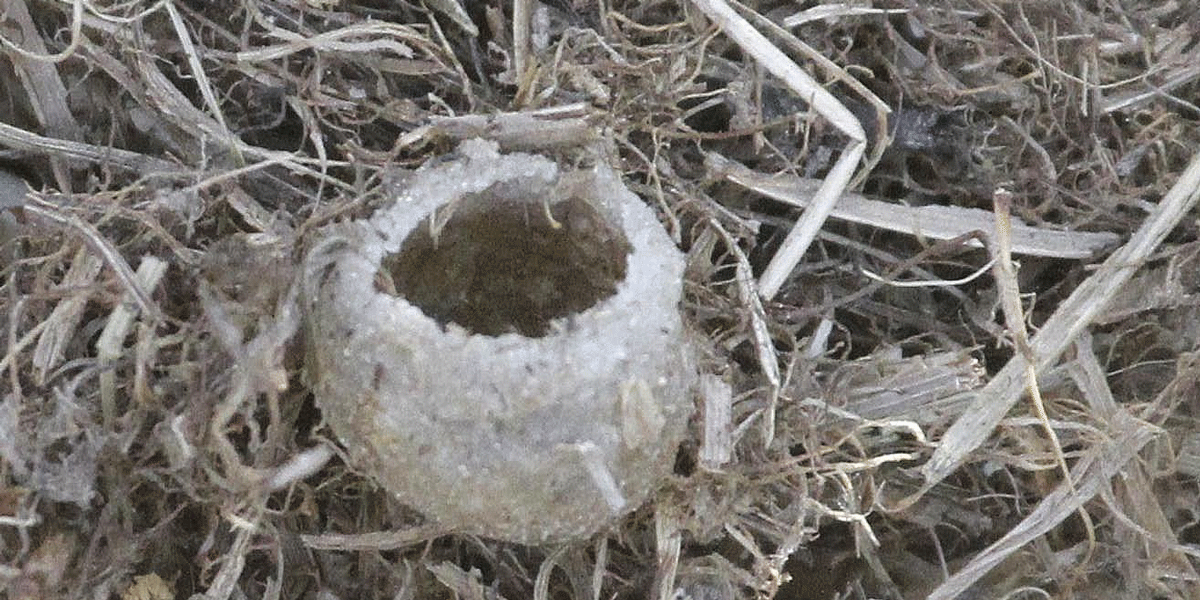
[(763, 345), (100, 245), (825, 104), (1075, 313), (27, 141), (939, 222), (378, 540), (202, 82), (1014, 315), (68, 52), (521, 32)]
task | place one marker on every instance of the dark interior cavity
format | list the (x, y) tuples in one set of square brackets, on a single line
[(500, 266)]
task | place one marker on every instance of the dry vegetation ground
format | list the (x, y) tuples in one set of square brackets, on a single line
[(157, 439)]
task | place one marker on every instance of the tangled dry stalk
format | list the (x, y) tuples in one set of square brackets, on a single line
[(861, 431)]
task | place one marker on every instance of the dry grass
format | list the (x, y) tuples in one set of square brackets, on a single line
[(856, 437)]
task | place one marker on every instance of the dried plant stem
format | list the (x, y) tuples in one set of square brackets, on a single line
[(934, 221), (522, 35), (101, 246), (377, 540), (824, 103), (202, 82), (111, 344), (1014, 315), (764, 347), (1072, 316), (68, 52), (27, 141)]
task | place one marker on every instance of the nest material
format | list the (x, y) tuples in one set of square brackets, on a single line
[(157, 437)]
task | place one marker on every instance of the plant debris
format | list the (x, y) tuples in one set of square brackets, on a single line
[(865, 432)]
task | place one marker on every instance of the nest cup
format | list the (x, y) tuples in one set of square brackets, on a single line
[(502, 348)]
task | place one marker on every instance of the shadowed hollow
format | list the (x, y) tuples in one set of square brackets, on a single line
[(503, 267)]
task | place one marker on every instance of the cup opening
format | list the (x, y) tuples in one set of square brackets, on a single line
[(495, 265)]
